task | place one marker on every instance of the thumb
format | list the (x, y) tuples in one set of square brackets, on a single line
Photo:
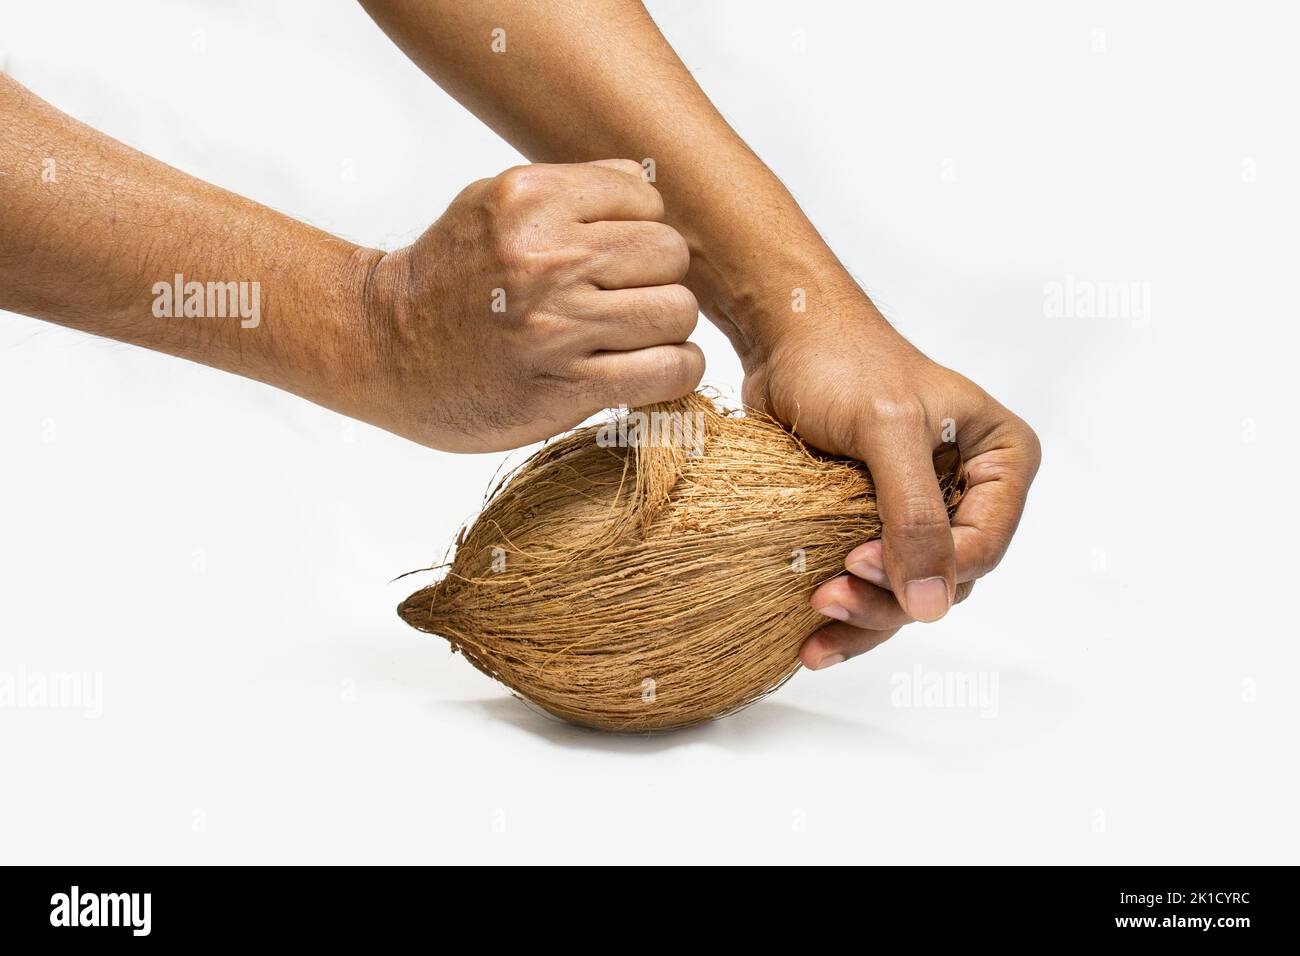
[(917, 545)]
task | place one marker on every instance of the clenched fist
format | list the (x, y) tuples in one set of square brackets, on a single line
[(540, 297)]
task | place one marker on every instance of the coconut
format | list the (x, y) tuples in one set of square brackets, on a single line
[(655, 571)]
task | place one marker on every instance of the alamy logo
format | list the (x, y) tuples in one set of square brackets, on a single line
[(53, 690), (974, 690), (654, 430), (1074, 298), (102, 909), (179, 299)]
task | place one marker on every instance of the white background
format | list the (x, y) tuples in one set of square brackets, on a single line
[(222, 553)]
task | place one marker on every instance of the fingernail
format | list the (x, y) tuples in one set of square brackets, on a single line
[(830, 660), (833, 610), (869, 572), (927, 600)]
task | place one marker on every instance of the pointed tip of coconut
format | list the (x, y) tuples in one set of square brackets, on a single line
[(417, 610)]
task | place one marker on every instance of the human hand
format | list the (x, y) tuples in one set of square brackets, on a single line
[(540, 297), (852, 386)]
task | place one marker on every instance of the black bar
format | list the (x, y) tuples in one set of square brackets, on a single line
[(1168, 906)]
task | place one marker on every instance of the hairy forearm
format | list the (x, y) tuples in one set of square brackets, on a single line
[(93, 235), (539, 297), (584, 80)]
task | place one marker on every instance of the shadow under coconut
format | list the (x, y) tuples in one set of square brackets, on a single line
[(757, 725)]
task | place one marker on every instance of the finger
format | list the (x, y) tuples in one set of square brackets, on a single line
[(867, 561), (854, 601), (836, 643), (988, 514), (612, 190), (917, 545), (646, 376), (630, 255), (963, 591), (864, 562), (622, 319)]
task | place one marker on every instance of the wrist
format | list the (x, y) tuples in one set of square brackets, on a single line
[(784, 296), (327, 349), (760, 269)]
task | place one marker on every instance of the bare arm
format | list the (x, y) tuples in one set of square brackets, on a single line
[(88, 227), (581, 78), (541, 296)]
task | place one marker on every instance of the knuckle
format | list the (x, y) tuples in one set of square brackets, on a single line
[(681, 299), (984, 561), (918, 518), (655, 200), (685, 368), (674, 249), (669, 366), (542, 329), (478, 189), (1033, 449), (536, 262), (896, 413), (528, 256), (514, 187), (678, 311)]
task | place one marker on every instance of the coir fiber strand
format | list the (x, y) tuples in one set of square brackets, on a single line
[(652, 587)]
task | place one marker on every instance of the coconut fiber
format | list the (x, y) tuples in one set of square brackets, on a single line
[(654, 572)]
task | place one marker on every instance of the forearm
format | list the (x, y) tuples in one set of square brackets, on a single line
[(92, 231), (584, 80)]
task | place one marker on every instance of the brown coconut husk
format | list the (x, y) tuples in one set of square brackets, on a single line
[(660, 584)]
